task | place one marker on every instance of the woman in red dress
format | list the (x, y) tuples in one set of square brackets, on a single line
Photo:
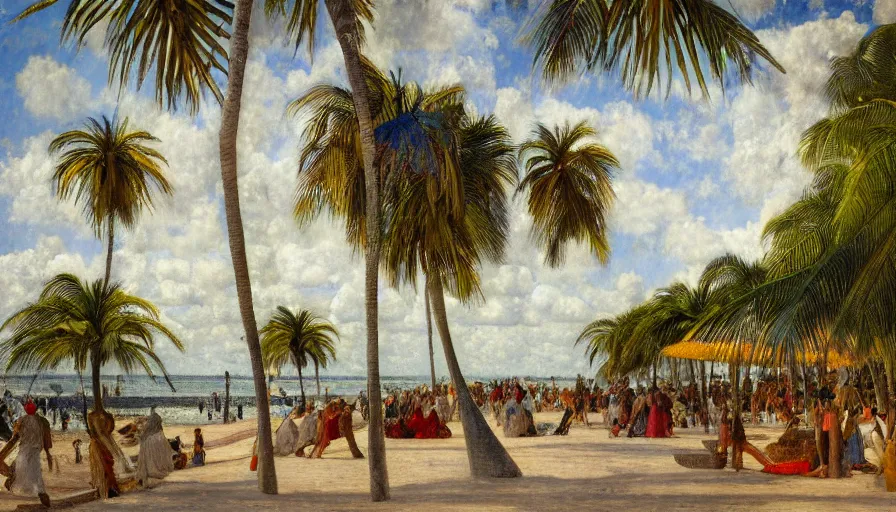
[(657, 420)]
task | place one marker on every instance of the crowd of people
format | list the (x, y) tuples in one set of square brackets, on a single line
[(319, 427), (421, 413)]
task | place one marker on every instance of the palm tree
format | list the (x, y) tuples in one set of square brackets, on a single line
[(428, 202), (646, 41), (89, 324), (296, 338), (322, 353), (450, 248), (346, 17), (179, 41), (570, 190), (854, 149), (111, 172)]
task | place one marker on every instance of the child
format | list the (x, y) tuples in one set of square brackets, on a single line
[(614, 432), (198, 445)]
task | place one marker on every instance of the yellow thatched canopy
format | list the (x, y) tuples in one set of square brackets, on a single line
[(728, 353)]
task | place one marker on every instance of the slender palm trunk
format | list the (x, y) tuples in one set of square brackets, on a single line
[(230, 118), (432, 360), (317, 378), (111, 241), (806, 393), (344, 21), (83, 401), (487, 456), (95, 384), (891, 398), (301, 384), (703, 400)]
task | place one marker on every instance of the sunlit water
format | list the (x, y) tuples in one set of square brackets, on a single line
[(181, 406)]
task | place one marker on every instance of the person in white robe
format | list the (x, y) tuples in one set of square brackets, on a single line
[(156, 458), (33, 437), (515, 421)]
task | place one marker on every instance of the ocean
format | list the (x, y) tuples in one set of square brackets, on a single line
[(181, 406)]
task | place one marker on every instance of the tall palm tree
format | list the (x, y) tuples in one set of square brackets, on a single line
[(346, 17), (89, 324), (297, 338), (426, 234), (569, 182), (111, 172), (646, 41), (855, 146), (178, 39), (428, 192)]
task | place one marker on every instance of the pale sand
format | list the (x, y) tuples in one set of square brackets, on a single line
[(584, 470)]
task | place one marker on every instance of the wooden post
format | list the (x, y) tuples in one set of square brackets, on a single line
[(226, 397)]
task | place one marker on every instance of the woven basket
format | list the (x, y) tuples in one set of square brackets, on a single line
[(698, 460)]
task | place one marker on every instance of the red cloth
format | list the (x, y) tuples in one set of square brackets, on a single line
[(417, 422), (799, 467), (431, 427), (332, 428)]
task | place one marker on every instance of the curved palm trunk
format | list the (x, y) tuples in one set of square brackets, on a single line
[(344, 21), (230, 117), (487, 456), (317, 378), (432, 360), (109, 249)]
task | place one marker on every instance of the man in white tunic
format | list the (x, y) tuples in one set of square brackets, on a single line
[(34, 436)]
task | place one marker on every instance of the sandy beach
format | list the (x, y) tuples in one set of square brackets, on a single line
[(585, 469)]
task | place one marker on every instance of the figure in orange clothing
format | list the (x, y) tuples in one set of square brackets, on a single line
[(335, 422)]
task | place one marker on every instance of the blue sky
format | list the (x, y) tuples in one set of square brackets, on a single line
[(698, 179)]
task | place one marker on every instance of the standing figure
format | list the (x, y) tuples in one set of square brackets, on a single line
[(76, 444), (198, 448), (201, 406), (156, 458), (34, 436), (239, 411)]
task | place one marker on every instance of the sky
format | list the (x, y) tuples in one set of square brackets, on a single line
[(697, 179)]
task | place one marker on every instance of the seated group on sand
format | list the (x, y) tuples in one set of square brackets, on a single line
[(421, 414), (318, 429)]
